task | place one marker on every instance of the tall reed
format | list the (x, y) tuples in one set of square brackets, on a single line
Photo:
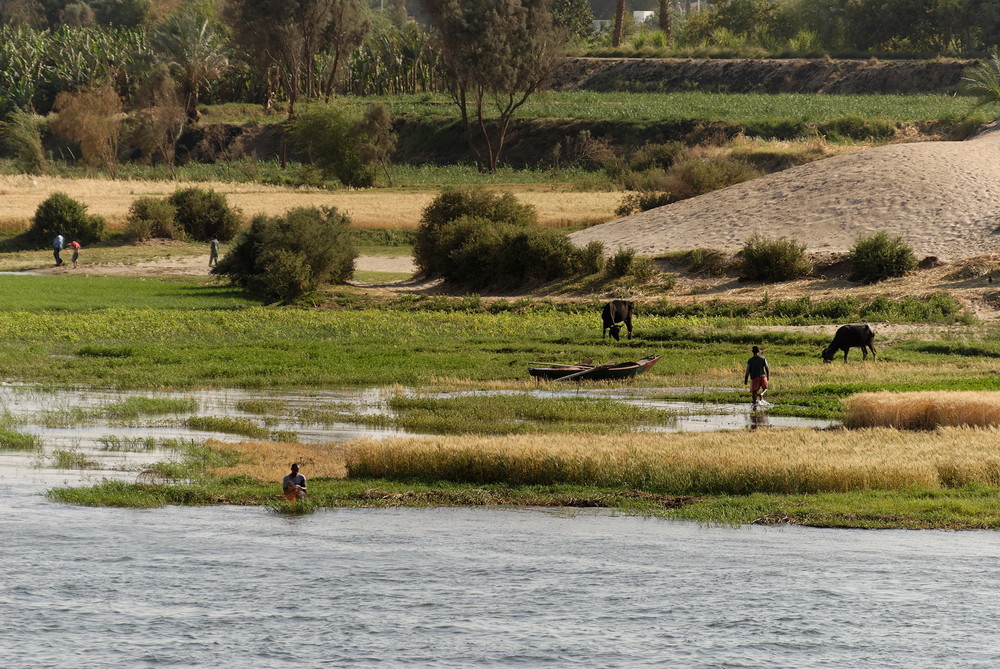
[(924, 410), (778, 461)]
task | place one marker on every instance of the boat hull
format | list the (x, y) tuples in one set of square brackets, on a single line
[(622, 370)]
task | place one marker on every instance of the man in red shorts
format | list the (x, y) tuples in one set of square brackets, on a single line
[(757, 373)]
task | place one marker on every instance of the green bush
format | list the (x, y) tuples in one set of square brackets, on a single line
[(696, 176), (620, 263), (343, 144), (856, 128), (765, 259), (282, 258), (59, 214), (150, 217), (431, 252), (484, 254), (642, 201), (205, 214), (591, 258), (879, 256)]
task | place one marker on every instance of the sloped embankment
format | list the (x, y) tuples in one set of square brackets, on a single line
[(942, 197), (743, 75)]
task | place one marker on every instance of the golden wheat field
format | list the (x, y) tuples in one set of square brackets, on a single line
[(20, 195), (923, 410), (775, 461), (262, 459)]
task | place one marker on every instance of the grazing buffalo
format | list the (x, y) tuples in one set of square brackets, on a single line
[(849, 336), (615, 312)]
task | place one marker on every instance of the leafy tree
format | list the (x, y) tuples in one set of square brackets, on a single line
[(281, 258), (575, 16), (23, 14), (343, 144), (495, 54), (121, 13), (92, 117), (195, 53), (305, 41), (78, 14), (158, 120)]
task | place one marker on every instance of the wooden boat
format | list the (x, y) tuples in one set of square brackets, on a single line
[(611, 370)]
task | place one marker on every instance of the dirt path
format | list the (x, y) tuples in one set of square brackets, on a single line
[(198, 266)]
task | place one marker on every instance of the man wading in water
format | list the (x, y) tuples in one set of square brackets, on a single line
[(757, 373), (294, 485)]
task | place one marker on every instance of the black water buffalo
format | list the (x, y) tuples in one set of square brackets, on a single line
[(615, 312), (849, 336)]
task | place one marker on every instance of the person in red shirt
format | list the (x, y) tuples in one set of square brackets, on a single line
[(75, 245)]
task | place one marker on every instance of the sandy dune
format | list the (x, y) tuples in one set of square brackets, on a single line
[(942, 197)]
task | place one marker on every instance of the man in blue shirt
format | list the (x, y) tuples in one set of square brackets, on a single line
[(58, 244), (294, 485)]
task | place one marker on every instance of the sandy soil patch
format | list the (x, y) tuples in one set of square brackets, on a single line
[(20, 195), (942, 197), (198, 266)]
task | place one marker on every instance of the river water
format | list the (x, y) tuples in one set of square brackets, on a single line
[(244, 587)]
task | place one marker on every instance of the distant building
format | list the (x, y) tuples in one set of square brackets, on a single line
[(608, 24)]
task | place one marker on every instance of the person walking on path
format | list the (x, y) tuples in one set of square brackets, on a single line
[(294, 485), (58, 244), (213, 252), (75, 245), (756, 373)]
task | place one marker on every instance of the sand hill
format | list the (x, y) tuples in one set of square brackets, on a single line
[(942, 197)]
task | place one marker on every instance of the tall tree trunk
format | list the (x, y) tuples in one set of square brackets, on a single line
[(665, 17), (616, 39)]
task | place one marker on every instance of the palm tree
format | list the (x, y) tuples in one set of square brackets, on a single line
[(616, 37), (194, 52), (984, 81)]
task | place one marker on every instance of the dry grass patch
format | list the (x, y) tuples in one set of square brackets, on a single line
[(736, 463), (270, 461), (923, 410), (379, 208)]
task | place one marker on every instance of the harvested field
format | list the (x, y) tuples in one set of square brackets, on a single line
[(20, 195)]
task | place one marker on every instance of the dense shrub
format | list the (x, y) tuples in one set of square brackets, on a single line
[(282, 258), (59, 214), (642, 201), (592, 258), (694, 176), (21, 139), (150, 217), (879, 256), (431, 252), (484, 254), (856, 128), (343, 144), (620, 263), (205, 214), (765, 259)]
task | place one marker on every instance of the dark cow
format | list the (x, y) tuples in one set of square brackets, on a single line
[(848, 337), (615, 312)]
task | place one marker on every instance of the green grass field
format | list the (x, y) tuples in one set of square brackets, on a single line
[(730, 107), (135, 333)]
